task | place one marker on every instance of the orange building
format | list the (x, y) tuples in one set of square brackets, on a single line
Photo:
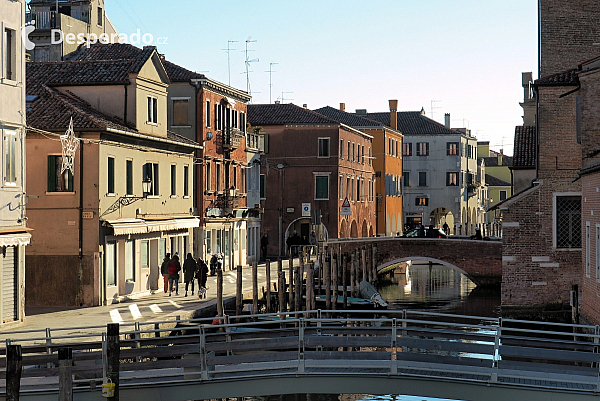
[(386, 158)]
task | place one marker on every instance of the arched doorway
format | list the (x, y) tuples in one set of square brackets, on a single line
[(303, 227), (354, 230), (364, 229), (343, 229), (441, 215)]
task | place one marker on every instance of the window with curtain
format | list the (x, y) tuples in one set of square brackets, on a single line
[(57, 181)]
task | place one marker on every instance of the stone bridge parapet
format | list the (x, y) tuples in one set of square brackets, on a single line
[(481, 261)]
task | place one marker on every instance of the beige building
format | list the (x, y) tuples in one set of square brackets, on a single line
[(14, 234), (102, 236), (50, 27)]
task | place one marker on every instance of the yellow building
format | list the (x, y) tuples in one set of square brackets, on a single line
[(498, 180)]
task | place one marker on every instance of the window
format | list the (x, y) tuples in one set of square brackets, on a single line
[(145, 254), (10, 157), (217, 117), (57, 181), (358, 191), (568, 221), (341, 189), (150, 170), (173, 180), (152, 110), (262, 186), (390, 151), (351, 191), (406, 178), (587, 249), (208, 113), (407, 149), (422, 178), (111, 175), (129, 260), (452, 179), (423, 149), (341, 148), (235, 175), (502, 194), (370, 158), (348, 151), (362, 156), (322, 187), (10, 55), (129, 177), (323, 147), (227, 168), (395, 148), (100, 16), (353, 152), (180, 112), (110, 263), (422, 201), (451, 148), (243, 122), (208, 177), (348, 187), (218, 177), (208, 237), (186, 180)]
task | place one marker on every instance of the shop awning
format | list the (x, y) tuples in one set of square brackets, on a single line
[(15, 239), (141, 226)]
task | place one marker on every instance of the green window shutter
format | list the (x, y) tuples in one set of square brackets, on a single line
[(129, 168), (111, 175), (51, 173), (262, 186), (322, 187)]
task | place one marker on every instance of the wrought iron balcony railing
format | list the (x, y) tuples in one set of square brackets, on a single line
[(232, 138)]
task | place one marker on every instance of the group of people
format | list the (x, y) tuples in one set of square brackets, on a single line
[(192, 270), (294, 242)]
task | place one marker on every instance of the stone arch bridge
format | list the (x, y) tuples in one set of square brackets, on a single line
[(481, 261)]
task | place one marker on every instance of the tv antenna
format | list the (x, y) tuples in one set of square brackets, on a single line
[(270, 83), (228, 60), (247, 62), (433, 107), (283, 99)]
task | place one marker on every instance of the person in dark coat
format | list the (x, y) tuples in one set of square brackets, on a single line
[(189, 272), (202, 276), (422, 231), (164, 270), (174, 269), (446, 228), (264, 243)]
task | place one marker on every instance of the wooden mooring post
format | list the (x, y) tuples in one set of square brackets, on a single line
[(352, 272), (298, 285), (268, 274), (363, 259), (327, 274), (291, 285), (220, 292), (344, 284), (238, 292), (14, 369), (334, 279), (310, 287), (255, 290), (374, 261), (65, 374), (113, 353)]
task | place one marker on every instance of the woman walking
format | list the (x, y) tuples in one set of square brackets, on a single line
[(164, 270), (189, 271), (174, 268), (202, 276)]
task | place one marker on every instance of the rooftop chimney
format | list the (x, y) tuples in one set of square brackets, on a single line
[(305, 106), (361, 111), (393, 114), (277, 102), (343, 106), (447, 120)]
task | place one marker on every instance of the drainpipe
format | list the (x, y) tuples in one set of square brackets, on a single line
[(80, 272)]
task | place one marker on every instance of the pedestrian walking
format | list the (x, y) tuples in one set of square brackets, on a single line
[(174, 269), (264, 243), (202, 276), (189, 272), (164, 270), (446, 228)]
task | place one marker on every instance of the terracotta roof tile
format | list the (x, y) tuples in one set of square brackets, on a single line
[(281, 114), (495, 182), (413, 123), (524, 154), (493, 161), (349, 119), (565, 78)]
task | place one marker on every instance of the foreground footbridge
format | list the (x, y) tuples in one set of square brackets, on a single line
[(349, 352), (481, 261)]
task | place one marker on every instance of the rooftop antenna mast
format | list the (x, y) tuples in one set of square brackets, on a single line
[(434, 107), (248, 61), (283, 99), (228, 59), (270, 83)]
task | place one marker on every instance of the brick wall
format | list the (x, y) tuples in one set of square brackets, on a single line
[(568, 32)]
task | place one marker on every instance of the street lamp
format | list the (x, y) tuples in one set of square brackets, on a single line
[(128, 199)]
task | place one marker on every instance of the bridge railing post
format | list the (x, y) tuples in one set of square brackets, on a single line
[(596, 340), (202, 349), (394, 361), (301, 355), (496, 356)]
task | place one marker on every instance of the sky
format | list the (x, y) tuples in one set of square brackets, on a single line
[(462, 57)]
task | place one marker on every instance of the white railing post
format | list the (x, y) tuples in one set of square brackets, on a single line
[(301, 363), (203, 363), (104, 358), (49, 365), (394, 360), (496, 356), (137, 335)]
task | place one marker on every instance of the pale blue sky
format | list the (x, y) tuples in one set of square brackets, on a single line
[(467, 55)]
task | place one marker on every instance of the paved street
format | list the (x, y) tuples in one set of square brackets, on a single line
[(154, 307)]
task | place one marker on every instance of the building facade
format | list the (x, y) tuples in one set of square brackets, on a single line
[(73, 17), (304, 181), (386, 158), (442, 179), (102, 235), (14, 234)]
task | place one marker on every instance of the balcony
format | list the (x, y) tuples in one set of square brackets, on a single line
[(44, 19), (232, 138)]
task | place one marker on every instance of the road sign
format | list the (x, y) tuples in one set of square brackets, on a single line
[(306, 210), (346, 208)]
